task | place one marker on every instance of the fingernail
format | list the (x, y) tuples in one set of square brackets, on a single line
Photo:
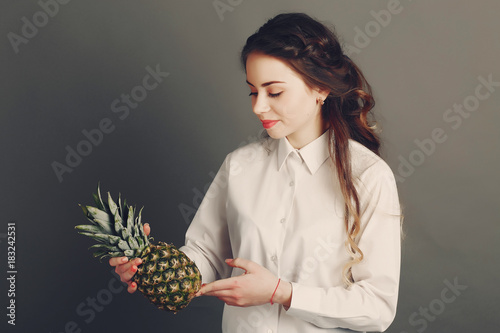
[(134, 268), (147, 224), (124, 259), (138, 261), (203, 285)]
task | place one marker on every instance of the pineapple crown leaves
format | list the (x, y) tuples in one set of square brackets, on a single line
[(115, 227)]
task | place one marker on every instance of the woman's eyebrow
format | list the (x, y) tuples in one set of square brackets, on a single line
[(266, 83)]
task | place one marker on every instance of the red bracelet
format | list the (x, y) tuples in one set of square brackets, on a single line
[(279, 280)]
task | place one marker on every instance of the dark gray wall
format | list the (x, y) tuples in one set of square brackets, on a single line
[(427, 63)]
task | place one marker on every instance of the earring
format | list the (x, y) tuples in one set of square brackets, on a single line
[(319, 100)]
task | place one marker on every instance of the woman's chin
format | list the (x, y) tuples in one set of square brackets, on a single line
[(275, 134)]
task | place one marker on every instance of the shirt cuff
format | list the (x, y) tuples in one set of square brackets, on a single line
[(300, 302)]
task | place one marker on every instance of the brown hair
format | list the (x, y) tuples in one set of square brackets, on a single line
[(314, 51)]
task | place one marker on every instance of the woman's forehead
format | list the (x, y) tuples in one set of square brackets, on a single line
[(261, 69)]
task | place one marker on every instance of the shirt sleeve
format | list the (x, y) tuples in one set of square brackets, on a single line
[(370, 303), (207, 239)]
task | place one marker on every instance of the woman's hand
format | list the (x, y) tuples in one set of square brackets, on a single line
[(127, 268), (254, 287)]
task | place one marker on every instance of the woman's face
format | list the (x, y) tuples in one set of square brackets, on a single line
[(282, 101)]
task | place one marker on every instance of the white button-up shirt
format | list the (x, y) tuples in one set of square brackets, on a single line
[(283, 209)]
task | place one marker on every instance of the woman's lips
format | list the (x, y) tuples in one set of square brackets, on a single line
[(269, 123)]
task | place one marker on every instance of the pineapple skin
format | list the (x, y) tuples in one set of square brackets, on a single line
[(167, 277)]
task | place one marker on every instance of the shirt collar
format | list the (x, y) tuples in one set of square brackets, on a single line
[(313, 154)]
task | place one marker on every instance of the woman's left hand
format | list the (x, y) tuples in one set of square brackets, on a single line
[(254, 287)]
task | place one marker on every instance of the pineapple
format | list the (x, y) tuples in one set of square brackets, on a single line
[(167, 277)]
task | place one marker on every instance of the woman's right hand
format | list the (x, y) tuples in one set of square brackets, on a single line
[(127, 268)]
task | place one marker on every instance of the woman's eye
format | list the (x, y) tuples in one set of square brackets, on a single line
[(270, 95)]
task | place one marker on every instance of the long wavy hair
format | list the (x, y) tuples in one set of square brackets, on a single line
[(314, 52)]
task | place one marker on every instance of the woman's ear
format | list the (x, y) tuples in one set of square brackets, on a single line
[(321, 93)]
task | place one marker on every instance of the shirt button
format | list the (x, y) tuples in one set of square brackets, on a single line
[(274, 258), (282, 220), (292, 183)]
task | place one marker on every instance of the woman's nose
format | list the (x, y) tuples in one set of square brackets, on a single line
[(260, 105)]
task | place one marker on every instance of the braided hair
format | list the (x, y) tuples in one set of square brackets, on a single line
[(314, 52)]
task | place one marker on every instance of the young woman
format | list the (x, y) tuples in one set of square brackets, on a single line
[(300, 231)]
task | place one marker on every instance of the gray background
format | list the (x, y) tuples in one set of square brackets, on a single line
[(64, 79)]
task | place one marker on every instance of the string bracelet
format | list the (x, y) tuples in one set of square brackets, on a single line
[(279, 280)]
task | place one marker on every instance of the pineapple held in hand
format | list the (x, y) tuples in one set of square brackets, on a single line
[(167, 277)]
